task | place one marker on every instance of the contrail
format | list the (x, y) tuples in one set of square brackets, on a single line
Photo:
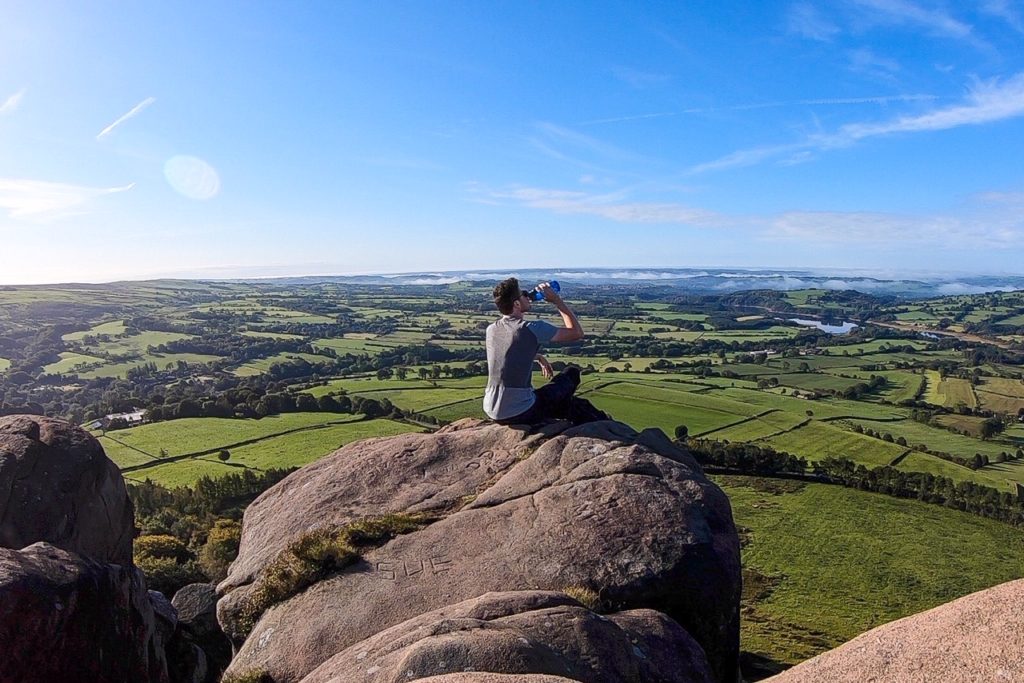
[(134, 111)]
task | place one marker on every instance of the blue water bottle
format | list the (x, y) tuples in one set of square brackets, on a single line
[(535, 293)]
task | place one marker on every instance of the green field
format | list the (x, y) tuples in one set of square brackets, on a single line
[(822, 408), (769, 424), (162, 360), (112, 328), (469, 408), (641, 413), (817, 441), (289, 450), (969, 424), (133, 345), (901, 385), (423, 400), (667, 392), (68, 361), (257, 367), (937, 438), (195, 434), (948, 391), (1014, 321), (4, 364), (1003, 385), (831, 563), (271, 335), (999, 403), (812, 381)]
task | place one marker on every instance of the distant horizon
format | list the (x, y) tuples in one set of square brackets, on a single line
[(790, 277)]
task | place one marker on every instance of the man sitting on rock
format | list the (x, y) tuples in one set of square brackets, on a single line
[(513, 344)]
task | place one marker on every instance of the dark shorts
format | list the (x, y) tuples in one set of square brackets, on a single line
[(556, 400)]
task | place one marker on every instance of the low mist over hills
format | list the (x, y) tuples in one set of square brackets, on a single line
[(710, 279)]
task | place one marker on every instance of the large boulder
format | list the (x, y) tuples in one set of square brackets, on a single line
[(409, 473), (626, 515), (70, 619), (521, 633), (58, 486), (979, 637)]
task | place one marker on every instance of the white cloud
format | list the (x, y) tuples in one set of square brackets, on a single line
[(975, 229), (965, 288), (37, 199), (749, 157), (609, 206), (12, 102), (133, 112), (434, 281), (986, 102), (1005, 11), (626, 275), (935, 21), (804, 20)]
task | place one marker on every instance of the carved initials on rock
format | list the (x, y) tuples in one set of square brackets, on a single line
[(393, 570)]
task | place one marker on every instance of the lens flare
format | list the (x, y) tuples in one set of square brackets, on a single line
[(192, 177)]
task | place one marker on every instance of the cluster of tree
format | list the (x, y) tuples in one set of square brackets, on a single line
[(745, 457), (965, 495), (190, 534), (235, 347), (254, 405), (472, 369)]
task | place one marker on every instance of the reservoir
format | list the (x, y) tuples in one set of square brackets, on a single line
[(841, 328)]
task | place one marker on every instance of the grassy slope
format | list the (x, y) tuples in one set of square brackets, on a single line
[(847, 561)]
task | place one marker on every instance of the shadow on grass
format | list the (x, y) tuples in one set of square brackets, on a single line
[(755, 667)]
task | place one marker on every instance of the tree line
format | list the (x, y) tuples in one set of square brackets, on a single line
[(967, 496)]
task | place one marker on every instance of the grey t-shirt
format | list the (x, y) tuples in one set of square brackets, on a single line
[(512, 344)]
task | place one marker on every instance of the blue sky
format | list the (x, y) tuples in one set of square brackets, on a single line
[(226, 139)]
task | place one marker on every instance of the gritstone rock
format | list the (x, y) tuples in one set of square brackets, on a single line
[(58, 486), (196, 604), (979, 637), (626, 515), (521, 633), (482, 677), (66, 618), (407, 473)]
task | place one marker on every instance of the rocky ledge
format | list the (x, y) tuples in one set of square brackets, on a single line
[(592, 553)]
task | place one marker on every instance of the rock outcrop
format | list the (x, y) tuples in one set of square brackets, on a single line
[(73, 607), (406, 473), (526, 632), (67, 618), (979, 637), (628, 516), (58, 486), (196, 605)]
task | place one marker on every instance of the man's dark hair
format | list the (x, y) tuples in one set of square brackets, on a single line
[(506, 293)]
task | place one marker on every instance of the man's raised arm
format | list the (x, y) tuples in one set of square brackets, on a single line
[(572, 330)]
